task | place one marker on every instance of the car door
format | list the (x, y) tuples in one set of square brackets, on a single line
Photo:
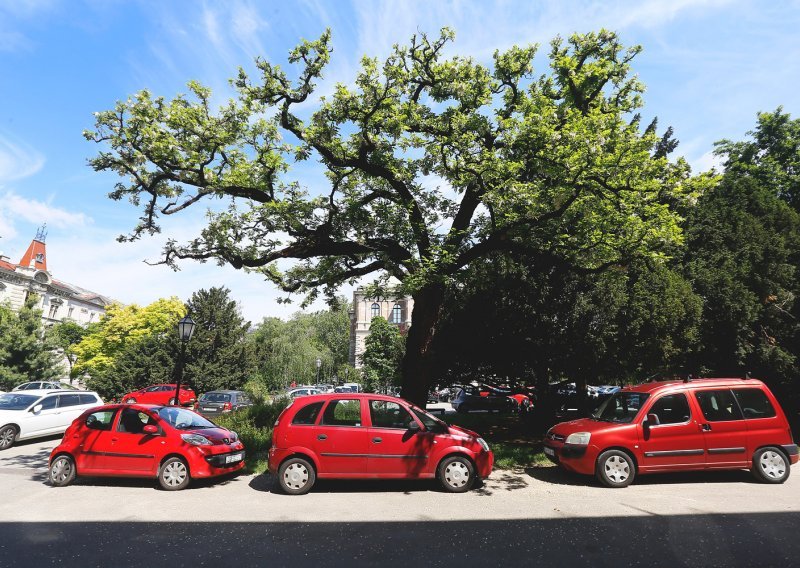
[(341, 438), (94, 441), (43, 422), (765, 426), (129, 449), (672, 438), (69, 408), (723, 427), (394, 449)]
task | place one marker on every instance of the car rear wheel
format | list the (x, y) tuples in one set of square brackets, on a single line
[(456, 474), (130, 400), (7, 435), (770, 465), (615, 469), (62, 471), (296, 476), (174, 474)]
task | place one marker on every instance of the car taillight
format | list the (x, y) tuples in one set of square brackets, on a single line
[(196, 405), (227, 406)]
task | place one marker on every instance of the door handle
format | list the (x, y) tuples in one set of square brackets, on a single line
[(114, 440), (706, 427), (322, 437), (377, 440)]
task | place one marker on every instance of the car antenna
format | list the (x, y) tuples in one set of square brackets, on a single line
[(747, 375), (688, 378)]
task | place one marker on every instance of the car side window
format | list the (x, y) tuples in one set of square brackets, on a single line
[(308, 414), (754, 403), (133, 421), (342, 412), (153, 389), (718, 405), (65, 400), (100, 420), (49, 402), (387, 414), (669, 409), (89, 399)]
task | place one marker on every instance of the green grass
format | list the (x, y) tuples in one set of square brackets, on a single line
[(254, 427)]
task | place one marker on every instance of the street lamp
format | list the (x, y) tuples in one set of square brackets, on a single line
[(319, 364), (185, 331)]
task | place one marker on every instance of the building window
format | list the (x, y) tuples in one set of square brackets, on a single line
[(397, 314), (69, 313), (376, 310), (53, 311)]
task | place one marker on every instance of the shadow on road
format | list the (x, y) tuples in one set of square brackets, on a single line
[(560, 476), (35, 460), (267, 483), (755, 539)]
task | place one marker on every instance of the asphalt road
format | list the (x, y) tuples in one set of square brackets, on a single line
[(540, 516)]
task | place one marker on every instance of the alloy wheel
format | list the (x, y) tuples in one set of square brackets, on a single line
[(174, 474), (7, 437), (61, 469)]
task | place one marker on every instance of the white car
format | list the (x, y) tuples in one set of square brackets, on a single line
[(302, 391), (32, 414), (43, 385)]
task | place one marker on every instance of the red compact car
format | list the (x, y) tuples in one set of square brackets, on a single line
[(160, 394), (137, 440), (678, 426), (347, 435)]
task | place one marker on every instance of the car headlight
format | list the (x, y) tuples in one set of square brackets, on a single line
[(196, 439), (483, 444), (579, 438)]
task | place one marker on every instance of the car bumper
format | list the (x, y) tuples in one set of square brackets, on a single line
[(792, 451), (205, 463), (484, 463), (580, 459)]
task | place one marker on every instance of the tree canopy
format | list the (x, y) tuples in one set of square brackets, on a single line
[(24, 355), (432, 162)]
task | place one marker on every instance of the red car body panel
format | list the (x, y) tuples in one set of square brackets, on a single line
[(116, 453), (695, 444), (161, 395), (369, 451)]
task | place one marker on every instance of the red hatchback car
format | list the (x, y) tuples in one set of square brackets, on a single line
[(160, 394), (346, 435), (678, 426), (136, 440)]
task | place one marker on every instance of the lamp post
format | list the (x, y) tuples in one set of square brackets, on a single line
[(185, 331), (319, 364)]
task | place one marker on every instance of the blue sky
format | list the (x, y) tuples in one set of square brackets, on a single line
[(709, 67)]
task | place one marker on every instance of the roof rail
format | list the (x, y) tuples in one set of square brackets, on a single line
[(688, 379)]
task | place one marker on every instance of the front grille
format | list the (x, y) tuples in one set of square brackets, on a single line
[(556, 437)]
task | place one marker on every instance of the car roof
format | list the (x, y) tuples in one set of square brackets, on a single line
[(659, 386), (40, 392), (223, 392), (351, 395)]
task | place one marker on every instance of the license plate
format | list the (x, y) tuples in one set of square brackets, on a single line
[(549, 451), (208, 409), (233, 458)]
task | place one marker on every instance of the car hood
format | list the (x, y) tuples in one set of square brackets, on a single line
[(462, 432), (216, 435), (584, 425), (10, 415)]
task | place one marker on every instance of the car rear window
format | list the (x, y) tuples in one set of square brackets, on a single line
[(754, 403), (308, 414), (89, 399), (69, 400), (342, 412), (215, 397)]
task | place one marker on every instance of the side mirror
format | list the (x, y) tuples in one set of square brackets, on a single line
[(37, 409), (150, 429), (414, 426)]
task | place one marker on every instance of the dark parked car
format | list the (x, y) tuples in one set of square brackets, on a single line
[(483, 398), (219, 402)]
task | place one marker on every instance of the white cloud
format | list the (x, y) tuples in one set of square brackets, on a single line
[(34, 211), (17, 159), (706, 162)]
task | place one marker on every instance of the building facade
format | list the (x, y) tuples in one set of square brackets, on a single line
[(395, 309), (58, 300)]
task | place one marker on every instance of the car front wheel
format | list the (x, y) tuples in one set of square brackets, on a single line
[(174, 475), (770, 465), (456, 474), (296, 476), (615, 469), (62, 471), (7, 435)]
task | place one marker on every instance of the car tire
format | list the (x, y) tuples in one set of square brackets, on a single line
[(296, 476), (462, 408), (615, 469), (7, 436), (771, 465), (62, 471), (456, 474), (130, 400), (174, 475)]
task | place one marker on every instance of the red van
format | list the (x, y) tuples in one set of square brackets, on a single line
[(678, 426), (348, 435)]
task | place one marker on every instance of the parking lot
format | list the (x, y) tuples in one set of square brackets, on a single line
[(536, 516)]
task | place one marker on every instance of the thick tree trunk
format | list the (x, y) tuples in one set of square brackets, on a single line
[(416, 368)]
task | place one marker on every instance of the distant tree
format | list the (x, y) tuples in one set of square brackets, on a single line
[(147, 361), (66, 335), (383, 353), (25, 354), (218, 355), (556, 165)]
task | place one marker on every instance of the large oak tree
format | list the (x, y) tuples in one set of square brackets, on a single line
[(432, 161)]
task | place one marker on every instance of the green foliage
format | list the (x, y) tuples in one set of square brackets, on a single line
[(66, 335), (383, 352), (287, 352), (218, 355), (24, 354)]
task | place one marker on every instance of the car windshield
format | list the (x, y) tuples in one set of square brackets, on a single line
[(215, 397), (15, 401), (622, 407), (431, 423), (183, 419)]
